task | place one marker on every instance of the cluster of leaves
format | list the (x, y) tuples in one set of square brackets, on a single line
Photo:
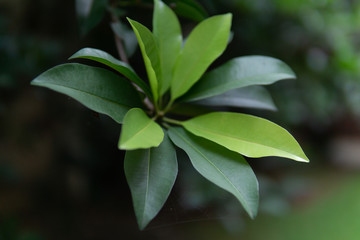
[(152, 125)]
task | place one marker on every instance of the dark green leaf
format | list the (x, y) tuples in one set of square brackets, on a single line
[(167, 33), (239, 72), (247, 97), (151, 174), (249, 135), (225, 168), (190, 9), (96, 88), (150, 55), (205, 43), (108, 60), (139, 131)]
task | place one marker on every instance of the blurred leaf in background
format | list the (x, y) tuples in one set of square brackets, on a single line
[(90, 13)]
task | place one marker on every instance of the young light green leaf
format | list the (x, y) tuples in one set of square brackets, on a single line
[(139, 131), (96, 88), (239, 72), (248, 97), (108, 60), (224, 168), (204, 44), (150, 55), (151, 174), (167, 33), (249, 135)]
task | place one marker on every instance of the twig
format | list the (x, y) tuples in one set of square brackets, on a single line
[(120, 49)]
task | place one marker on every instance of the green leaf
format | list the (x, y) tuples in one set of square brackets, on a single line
[(96, 88), (150, 55), (204, 44), (190, 9), (249, 135), (108, 60), (239, 72), (139, 131), (248, 97), (224, 168), (151, 174), (167, 33)]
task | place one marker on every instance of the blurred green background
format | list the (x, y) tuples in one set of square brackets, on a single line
[(61, 175)]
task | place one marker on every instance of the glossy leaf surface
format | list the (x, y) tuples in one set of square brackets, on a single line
[(205, 43), (248, 97), (139, 131), (249, 135), (151, 174), (150, 55), (108, 60), (239, 72), (221, 166), (167, 33), (96, 88)]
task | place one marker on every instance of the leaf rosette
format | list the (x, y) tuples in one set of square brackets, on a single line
[(178, 84)]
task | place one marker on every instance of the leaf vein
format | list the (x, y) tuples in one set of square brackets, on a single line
[(147, 186), (85, 92), (223, 174), (243, 140), (140, 131)]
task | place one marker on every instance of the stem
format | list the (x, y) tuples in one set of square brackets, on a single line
[(120, 48), (156, 106), (173, 121), (168, 106), (118, 41), (121, 51), (167, 126)]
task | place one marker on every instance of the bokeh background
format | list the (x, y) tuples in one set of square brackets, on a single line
[(61, 174)]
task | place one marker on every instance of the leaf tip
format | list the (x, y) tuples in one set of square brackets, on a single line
[(129, 20), (33, 82), (142, 223), (252, 215), (303, 159)]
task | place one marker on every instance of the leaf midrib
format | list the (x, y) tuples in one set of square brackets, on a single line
[(242, 140), (147, 187), (193, 66), (85, 92), (223, 174), (124, 70), (229, 84), (138, 132)]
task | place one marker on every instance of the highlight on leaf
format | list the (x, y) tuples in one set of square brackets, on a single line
[(246, 134), (205, 43), (139, 131)]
